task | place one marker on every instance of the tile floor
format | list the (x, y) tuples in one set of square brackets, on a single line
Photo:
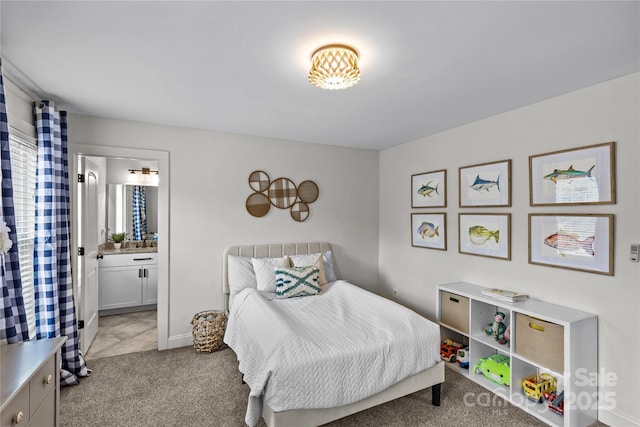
[(124, 333)]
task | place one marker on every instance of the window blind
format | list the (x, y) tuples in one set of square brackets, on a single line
[(24, 153)]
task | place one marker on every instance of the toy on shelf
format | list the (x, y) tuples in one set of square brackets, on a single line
[(506, 337), (448, 350), (555, 402), (538, 386), (497, 327), (463, 357), (495, 368)]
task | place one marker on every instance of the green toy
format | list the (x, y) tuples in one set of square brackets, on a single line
[(497, 327), (495, 368)]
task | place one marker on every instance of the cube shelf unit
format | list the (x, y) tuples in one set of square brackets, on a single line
[(556, 340)]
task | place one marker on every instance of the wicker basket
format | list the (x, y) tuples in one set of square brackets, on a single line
[(208, 330)]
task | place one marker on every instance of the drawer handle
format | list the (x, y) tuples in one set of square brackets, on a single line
[(143, 259), (18, 418), (454, 299), (48, 379), (536, 327)]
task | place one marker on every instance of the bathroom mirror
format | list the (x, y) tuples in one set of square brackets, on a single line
[(120, 209)]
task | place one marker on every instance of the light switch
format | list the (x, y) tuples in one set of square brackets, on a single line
[(635, 252)]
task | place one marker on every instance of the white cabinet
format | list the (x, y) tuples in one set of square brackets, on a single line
[(545, 338), (128, 280), (150, 284)]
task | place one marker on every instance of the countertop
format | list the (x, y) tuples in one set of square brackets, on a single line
[(129, 251)]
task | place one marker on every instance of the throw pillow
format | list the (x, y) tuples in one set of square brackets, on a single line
[(297, 281)]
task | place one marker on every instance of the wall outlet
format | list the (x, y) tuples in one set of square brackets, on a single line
[(395, 291)]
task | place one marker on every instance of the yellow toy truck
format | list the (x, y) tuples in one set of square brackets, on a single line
[(536, 386)]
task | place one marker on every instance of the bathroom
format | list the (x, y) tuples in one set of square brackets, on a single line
[(127, 269)]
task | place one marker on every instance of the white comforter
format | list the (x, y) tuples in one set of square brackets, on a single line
[(327, 350)]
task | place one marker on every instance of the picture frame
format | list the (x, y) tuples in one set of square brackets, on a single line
[(576, 176), (485, 234), (485, 185), (429, 189), (582, 242), (429, 230)]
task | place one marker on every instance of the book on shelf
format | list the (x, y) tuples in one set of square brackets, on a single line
[(504, 295)]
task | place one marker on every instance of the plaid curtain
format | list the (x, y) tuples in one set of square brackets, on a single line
[(139, 212), (13, 319), (55, 310)]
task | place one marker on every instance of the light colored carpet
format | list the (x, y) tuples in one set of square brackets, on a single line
[(181, 387)]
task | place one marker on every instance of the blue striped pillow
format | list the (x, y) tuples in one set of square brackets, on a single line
[(297, 281)]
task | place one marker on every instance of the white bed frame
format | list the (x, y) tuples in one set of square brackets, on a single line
[(432, 377)]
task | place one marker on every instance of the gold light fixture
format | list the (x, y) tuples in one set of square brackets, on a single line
[(334, 67), (147, 177)]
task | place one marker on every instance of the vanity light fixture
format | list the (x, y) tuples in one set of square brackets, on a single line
[(334, 67), (146, 177)]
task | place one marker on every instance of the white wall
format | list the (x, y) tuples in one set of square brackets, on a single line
[(605, 112), (208, 190)]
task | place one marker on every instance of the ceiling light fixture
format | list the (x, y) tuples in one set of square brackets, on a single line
[(334, 67)]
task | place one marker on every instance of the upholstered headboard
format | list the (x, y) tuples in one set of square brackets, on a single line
[(271, 250)]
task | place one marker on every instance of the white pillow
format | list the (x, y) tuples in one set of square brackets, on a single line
[(310, 260), (329, 274), (240, 273), (265, 271)]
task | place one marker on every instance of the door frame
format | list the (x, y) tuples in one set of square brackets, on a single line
[(162, 157)]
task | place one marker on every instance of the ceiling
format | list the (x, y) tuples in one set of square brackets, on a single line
[(241, 67)]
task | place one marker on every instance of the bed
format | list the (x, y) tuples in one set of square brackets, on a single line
[(294, 362)]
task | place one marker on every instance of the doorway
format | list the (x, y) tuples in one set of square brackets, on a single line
[(77, 153)]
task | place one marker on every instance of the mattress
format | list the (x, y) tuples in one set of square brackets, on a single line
[(328, 350)]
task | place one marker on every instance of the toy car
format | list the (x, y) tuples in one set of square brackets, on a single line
[(463, 357), (448, 350), (495, 368), (556, 402), (537, 386)]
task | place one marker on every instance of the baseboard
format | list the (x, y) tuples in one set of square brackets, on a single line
[(177, 341), (613, 419)]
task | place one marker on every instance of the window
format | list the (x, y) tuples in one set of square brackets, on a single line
[(24, 154)]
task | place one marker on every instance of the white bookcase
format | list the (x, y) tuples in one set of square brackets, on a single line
[(570, 355)]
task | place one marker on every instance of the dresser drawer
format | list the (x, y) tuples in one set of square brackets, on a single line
[(45, 416), (43, 381), (18, 405)]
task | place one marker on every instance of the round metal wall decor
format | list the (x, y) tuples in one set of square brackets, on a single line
[(308, 191), (299, 211), (281, 193), (258, 204), (259, 181)]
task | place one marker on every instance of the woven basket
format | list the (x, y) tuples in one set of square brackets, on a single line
[(208, 330)]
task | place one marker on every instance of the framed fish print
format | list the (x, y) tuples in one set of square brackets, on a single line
[(577, 176), (485, 234), (429, 230), (582, 242), (429, 189), (486, 185)]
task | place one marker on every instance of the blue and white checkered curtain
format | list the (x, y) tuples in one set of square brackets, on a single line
[(55, 310), (13, 319), (139, 212)]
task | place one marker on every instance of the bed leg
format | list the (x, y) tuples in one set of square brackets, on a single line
[(435, 394)]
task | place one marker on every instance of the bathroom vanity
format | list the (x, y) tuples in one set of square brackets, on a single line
[(128, 279)]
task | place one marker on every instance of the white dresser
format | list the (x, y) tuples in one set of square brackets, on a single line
[(30, 383)]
